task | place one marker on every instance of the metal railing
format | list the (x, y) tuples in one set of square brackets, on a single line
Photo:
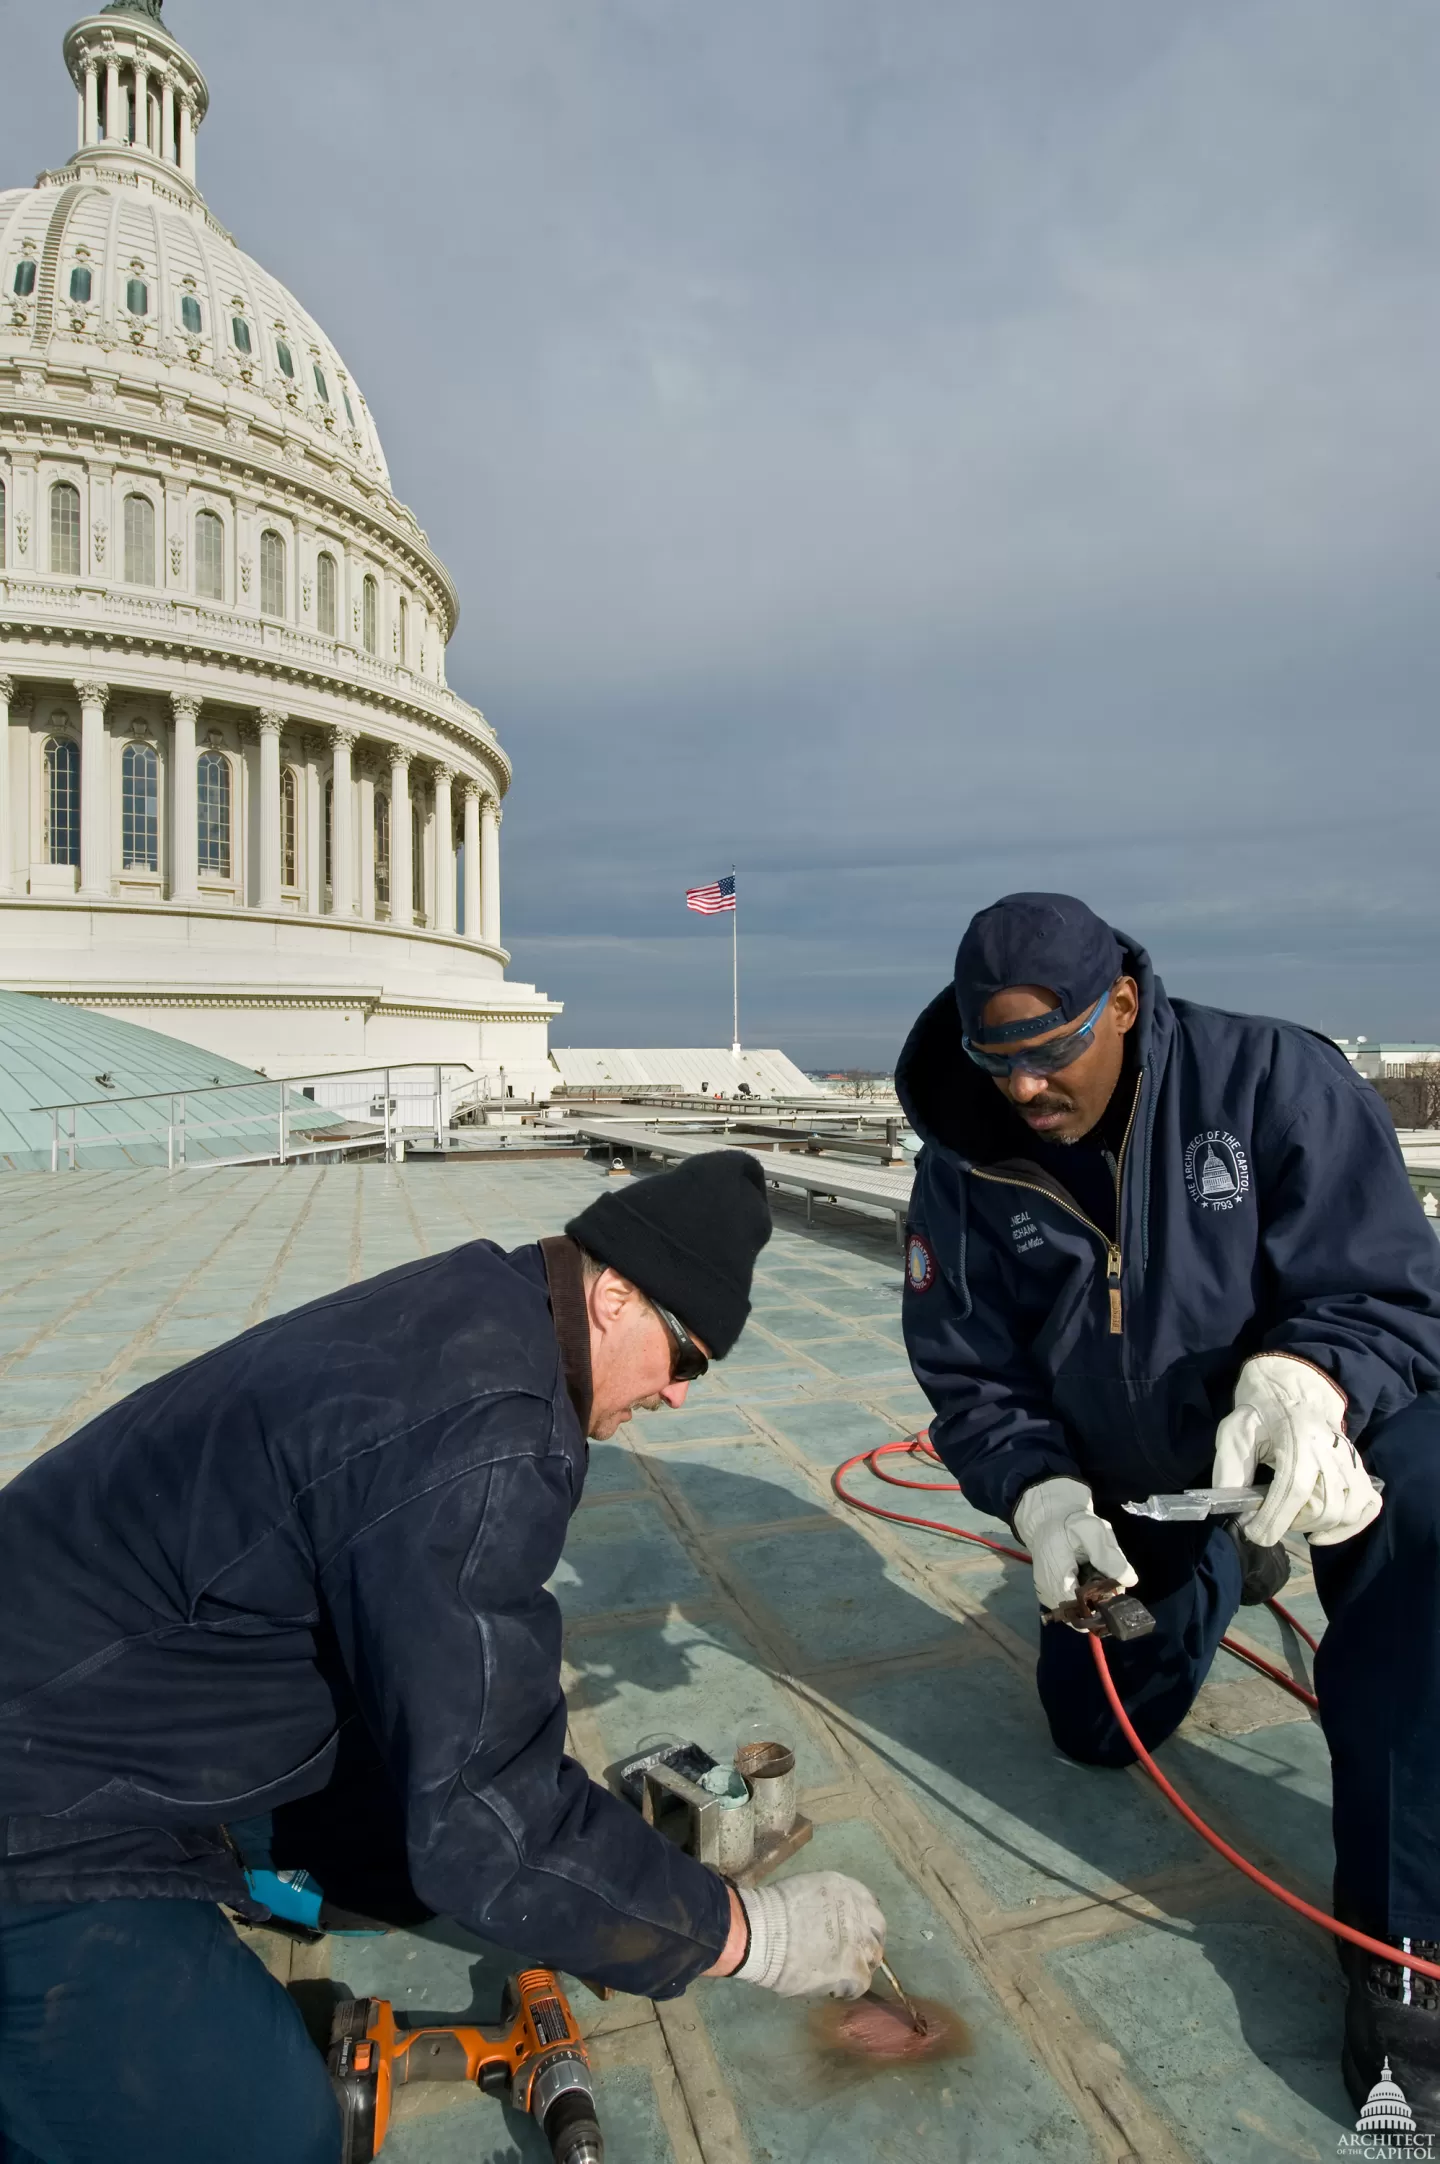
[(288, 1121)]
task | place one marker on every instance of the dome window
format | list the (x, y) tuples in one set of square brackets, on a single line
[(25, 276), (286, 360), (240, 332), (62, 801), (325, 583), (65, 529), (289, 829), (349, 409), (370, 616), (140, 809), (212, 813), (209, 556), (321, 385), (80, 284), (272, 574), (190, 315), (139, 541), (137, 297)]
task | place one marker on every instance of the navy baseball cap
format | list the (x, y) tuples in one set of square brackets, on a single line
[(1050, 940)]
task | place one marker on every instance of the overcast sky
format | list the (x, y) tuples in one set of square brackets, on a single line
[(910, 450)]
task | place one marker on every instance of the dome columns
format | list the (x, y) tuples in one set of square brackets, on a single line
[(402, 868), (139, 92), (490, 817), (270, 723), (94, 697), (342, 823), (7, 869), (185, 861), (444, 851)]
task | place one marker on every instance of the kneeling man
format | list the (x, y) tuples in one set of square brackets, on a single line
[(286, 1608), (1154, 1246)]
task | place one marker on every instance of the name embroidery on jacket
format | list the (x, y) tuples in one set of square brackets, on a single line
[(1025, 1232), (1217, 1171)]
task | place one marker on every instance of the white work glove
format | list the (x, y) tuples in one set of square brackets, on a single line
[(1288, 1415), (817, 1932), (1057, 1522)]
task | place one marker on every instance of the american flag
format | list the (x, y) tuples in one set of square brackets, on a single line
[(709, 901)]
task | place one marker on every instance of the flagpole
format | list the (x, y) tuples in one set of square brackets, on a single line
[(735, 968)]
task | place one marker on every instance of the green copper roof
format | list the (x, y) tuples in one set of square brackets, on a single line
[(51, 1053)]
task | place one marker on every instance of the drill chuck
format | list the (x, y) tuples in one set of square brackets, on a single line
[(562, 2101)]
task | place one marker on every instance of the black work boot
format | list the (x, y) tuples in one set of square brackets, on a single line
[(1264, 1570), (1392, 2032)]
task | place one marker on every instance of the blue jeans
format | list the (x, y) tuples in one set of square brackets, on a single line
[(1377, 1675), (143, 2032)]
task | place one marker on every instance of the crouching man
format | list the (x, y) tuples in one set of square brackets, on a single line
[(1156, 1246), (286, 1605)]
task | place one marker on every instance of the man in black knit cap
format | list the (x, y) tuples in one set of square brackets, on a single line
[(285, 1609)]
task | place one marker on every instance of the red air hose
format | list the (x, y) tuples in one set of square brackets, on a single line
[(918, 1448)]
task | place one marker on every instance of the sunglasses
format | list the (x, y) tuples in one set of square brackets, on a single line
[(1040, 1058), (687, 1362)]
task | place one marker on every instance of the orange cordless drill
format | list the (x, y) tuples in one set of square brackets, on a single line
[(534, 2057)]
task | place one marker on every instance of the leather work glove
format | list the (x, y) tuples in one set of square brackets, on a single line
[(1290, 1416), (1057, 1522), (817, 1932)]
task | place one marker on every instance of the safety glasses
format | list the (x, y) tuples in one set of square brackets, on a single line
[(687, 1362), (1039, 1058)]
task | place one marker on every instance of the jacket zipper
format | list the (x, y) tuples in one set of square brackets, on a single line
[(1113, 1257)]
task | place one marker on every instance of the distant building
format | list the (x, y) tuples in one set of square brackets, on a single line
[(238, 800), (1373, 1058)]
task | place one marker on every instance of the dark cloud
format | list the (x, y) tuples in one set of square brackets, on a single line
[(911, 452)]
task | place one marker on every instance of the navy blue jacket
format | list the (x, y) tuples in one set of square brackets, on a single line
[(1264, 1207), (342, 1521)]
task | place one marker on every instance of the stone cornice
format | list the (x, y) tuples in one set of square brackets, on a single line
[(310, 997), (226, 678)]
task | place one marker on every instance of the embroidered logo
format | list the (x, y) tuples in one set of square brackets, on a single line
[(1217, 1171), (919, 1263), (1025, 1232)]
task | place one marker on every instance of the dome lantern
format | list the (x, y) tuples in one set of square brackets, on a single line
[(141, 96)]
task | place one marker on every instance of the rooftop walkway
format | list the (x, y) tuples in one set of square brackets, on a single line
[(1128, 1997)]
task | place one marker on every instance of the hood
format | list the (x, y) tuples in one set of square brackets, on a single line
[(947, 1099)]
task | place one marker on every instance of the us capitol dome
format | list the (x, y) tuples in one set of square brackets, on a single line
[(238, 800)]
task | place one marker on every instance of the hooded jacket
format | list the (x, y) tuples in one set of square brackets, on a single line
[(1263, 1206), (324, 1546)]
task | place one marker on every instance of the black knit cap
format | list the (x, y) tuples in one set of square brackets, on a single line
[(688, 1238)]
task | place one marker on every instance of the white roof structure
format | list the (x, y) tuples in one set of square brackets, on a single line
[(700, 1073)]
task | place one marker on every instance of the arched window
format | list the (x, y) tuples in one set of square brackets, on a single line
[(382, 850), (81, 284), (65, 533), (25, 276), (286, 359), (289, 829), (349, 409), (321, 385), (140, 809), (139, 541), (62, 800), (402, 636), (370, 615), (210, 555), (212, 813), (272, 574), (330, 834), (417, 861), (137, 296), (190, 315), (325, 592)]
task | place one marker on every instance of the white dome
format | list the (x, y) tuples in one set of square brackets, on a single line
[(235, 785), (138, 245)]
